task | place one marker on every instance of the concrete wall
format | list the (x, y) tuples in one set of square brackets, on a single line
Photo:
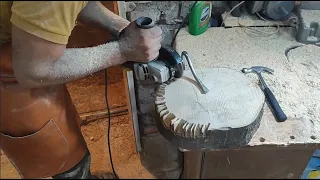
[(168, 10), (154, 10)]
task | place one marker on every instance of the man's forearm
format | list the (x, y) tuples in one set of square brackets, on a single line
[(74, 64), (96, 14)]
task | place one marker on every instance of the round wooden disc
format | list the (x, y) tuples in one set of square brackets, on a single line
[(233, 103)]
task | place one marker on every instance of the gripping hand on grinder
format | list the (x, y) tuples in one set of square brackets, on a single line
[(140, 45)]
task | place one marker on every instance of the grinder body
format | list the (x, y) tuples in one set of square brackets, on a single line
[(168, 65)]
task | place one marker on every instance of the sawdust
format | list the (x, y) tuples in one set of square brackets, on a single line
[(303, 96), (295, 88), (84, 61)]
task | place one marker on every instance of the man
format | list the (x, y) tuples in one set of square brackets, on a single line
[(39, 125)]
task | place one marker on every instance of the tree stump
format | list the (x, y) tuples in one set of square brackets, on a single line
[(226, 117)]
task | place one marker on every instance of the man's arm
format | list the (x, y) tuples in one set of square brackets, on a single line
[(38, 62), (97, 14)]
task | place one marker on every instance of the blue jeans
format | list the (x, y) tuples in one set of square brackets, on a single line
[(79, 171)]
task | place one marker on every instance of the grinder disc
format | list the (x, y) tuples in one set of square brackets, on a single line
[(227, 116)]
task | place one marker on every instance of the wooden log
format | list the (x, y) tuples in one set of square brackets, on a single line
[(227, 116)]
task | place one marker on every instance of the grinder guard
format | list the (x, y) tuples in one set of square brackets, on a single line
[(173, 59), (168, 64)]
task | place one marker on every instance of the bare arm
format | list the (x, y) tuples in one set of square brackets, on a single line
[(38, 62), (98, 15)]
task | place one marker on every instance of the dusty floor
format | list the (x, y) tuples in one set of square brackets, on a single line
[(88, 95)]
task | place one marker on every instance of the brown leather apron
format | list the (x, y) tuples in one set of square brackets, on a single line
[(39, 128)]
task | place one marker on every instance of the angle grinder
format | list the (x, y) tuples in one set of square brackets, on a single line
[(168, 65)]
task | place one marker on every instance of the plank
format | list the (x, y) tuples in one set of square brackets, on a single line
[(270, 162), (227, 116), (111, 5), (131, 103), (192, 165)]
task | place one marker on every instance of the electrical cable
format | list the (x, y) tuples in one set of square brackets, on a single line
[(278, 27), (109, 123), (260, 31), (182, 24), (235, 7), (244, 26), (258, 14)]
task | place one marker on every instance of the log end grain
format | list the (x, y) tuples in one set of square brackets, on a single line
[(226, 117)]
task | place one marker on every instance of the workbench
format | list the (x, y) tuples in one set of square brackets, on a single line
[(277, 150)]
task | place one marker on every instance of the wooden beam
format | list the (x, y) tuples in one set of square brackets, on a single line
[(115, 7), (109, 5), (192, 164), (132, 104), (102, 112), (262, 163)]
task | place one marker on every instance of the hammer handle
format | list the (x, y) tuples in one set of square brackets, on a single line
[(280, 116)]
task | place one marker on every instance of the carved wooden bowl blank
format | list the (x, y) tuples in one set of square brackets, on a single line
[(226, 117)]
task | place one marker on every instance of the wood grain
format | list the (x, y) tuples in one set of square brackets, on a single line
[(270, 162), (228, 115), (192, 165)]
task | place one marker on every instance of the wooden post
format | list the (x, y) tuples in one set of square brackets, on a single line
[(132, 104), (192, 164), (115, 7), (111, 5)]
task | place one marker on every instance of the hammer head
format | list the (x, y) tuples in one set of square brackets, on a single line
[(257, 69)]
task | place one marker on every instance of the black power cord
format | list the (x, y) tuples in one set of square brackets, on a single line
[(109, 123), (182, 24)]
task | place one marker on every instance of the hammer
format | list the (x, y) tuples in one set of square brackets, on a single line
[(280, 116)]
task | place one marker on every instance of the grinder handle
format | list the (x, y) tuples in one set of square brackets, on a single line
[(144, 23), (280, 115)]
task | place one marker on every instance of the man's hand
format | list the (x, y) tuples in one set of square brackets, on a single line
[(140, 45)]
